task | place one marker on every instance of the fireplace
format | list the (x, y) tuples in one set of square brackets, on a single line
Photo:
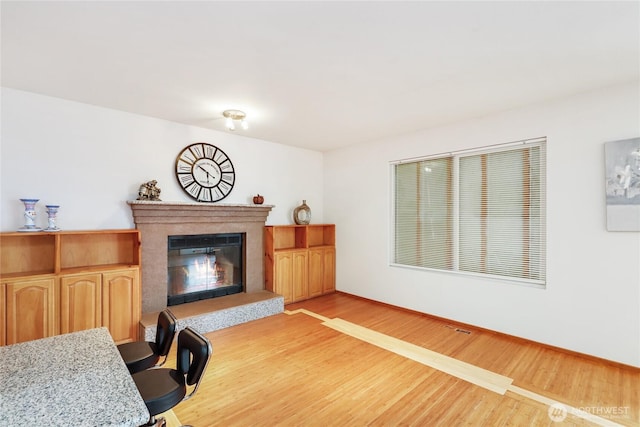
[(158, 220), (203, 266)]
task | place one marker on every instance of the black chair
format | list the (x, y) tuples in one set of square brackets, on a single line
[(162, 389), (142, 355)]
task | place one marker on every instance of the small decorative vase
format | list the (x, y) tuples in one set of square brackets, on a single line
[(52, 212), (29, 215), (302, 214)]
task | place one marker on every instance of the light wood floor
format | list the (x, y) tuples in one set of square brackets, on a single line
[(318, 369)]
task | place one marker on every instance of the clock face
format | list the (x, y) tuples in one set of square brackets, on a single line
[(205, 172)]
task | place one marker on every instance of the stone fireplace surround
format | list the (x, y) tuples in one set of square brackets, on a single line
[(158, 220)]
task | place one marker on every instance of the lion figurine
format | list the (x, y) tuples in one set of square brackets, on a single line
[(149, 191)]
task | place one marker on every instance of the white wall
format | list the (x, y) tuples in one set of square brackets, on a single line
[(592, 300), (91, 160)]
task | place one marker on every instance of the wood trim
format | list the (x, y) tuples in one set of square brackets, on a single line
[(3, 315)]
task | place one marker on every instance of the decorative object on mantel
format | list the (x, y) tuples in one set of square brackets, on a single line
[(258, 199), (622, 161), (149, 191), (29, 215), (302, 214), (52, 214), (233, 116), (205, 172)]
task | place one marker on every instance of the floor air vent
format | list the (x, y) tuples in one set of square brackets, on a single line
[(463, 331)]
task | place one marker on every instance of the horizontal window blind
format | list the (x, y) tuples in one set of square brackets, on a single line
[(479, 211)]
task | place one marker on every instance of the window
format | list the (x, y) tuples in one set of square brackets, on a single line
[(477, 211)]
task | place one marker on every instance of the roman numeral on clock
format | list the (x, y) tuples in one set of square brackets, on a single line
[(194, 189), (205, 195)]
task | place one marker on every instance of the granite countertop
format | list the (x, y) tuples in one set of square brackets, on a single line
[(76, 379)]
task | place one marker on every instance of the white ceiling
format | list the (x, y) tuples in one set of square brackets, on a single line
[(319, 75)]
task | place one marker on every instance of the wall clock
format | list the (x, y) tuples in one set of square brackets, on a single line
[(205, 172)]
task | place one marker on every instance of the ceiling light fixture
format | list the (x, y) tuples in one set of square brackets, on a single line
[(233, 116)]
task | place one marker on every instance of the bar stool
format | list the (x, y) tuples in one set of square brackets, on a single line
[(162, 389), (141, 355)]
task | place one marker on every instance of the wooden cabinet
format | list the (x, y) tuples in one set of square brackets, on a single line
[(290, 275), (68, 281), (300, 260), (80, 302), (300, 276), (316, 272), (283, 275), (329, 271), (3, 316), (30, 309), (322, 271), (121, 304)]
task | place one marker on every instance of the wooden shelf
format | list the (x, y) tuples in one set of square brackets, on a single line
[(321, 235), (301, 236), (37, 253), (69, 281), (27, 253), (88, 249), (97, 268), (300, 260), (31, 274)]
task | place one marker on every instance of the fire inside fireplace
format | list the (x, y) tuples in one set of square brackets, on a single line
[(204, 266)]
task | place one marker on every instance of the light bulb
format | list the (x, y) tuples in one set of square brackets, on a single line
[(229, 124), (244, 124)]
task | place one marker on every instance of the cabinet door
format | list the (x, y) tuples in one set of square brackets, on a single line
[(80, 302), (283, 282), (329, 271), (316, 272), (322, 271), (300, 276), (3, 315), (30, 310), (121, 307)]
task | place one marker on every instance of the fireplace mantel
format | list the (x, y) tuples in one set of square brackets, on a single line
[(146, 212), (159, 220)]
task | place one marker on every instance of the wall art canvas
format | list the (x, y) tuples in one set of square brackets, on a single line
[(622, 160)]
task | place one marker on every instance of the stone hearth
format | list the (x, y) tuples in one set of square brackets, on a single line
[(217, 313), (158, 220)]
